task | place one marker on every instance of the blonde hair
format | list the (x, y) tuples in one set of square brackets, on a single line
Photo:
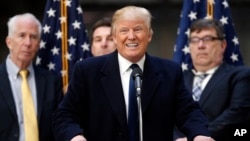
[(132, 13)]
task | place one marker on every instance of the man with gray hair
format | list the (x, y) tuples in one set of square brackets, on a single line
[(28, 94)]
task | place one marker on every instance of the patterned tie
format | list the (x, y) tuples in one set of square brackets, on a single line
[(29, 114), (133, 120), (197, 87)]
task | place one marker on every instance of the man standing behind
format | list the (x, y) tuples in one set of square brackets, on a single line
[(99, 105), (28, 95), (223, 92), (101, 39)]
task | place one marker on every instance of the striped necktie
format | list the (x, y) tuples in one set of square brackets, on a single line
[(29, 114), (197, 90)]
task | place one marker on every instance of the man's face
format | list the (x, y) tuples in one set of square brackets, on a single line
[(132, 38), (24, 42), (206, 48), (102, 42)]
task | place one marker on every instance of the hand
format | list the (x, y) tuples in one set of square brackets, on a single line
[(203, 138), (181, 139), (78, 138)]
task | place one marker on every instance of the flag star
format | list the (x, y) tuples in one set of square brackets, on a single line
[(175, 48), (46, 29), (55, 50), (72, 41), (192, 15), (51, 12), (62, 19), (76, 24), (58, 34), (85, 46), (187, 32), (223, 20), (196, 1), (178, 31), (68, 56), (235, 41), (184, 66), (225, 3), (38, 60), (68, 3), (79, 9), (234, 57), (42, 44), (186, 50), (63, 73), (51, 66), (80, 59)]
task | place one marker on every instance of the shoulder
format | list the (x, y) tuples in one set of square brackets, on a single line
[(235, 71)]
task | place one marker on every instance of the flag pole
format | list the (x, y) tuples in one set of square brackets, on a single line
[(64, 45), (210, 9)]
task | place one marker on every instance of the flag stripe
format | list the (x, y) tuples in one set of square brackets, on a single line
[(64, 39)]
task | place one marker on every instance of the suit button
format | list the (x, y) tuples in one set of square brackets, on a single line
[(16, 135)]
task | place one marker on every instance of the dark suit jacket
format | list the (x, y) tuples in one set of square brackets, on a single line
[(225, 101), (94, 104), (49, 93)]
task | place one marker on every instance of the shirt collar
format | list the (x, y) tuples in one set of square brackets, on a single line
[(125, 64), (13, 69), (210, 71)]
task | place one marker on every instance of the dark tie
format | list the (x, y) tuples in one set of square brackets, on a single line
[(133, 121), (197, 87)]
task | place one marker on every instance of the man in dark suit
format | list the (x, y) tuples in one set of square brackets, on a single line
[(225, 96), (96, 106), (46, 91)]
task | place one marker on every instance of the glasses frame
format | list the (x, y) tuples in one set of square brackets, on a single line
[(205, 40)]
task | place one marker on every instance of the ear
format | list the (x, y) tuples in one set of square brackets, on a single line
[(114, 38), (224, 45), (8, 42)]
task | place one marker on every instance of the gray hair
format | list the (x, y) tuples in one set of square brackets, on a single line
[(13, 21)]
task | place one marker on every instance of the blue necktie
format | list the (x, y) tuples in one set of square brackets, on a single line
[(197, 87), (133, 120)]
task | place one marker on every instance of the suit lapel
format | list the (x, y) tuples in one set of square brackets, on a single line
[(215, 79), (111, 82), (5, 89), (189, 77), (40, 88), (150, 81)]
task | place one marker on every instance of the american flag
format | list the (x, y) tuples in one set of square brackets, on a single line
[(196, 9), (64, 39)]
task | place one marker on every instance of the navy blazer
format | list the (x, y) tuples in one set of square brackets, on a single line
[(225, 100), (49, 94), (95, 107)]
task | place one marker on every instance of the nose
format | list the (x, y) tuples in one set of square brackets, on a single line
[(28, 40), (104, 43), (201, 43), (131, 34)]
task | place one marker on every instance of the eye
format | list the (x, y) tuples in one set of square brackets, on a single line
[(123, 31), (194, 40), (208, 39)]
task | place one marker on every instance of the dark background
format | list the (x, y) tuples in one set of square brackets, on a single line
[(166, 16)]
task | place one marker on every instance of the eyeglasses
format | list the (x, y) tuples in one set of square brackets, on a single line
[(205, 40)]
